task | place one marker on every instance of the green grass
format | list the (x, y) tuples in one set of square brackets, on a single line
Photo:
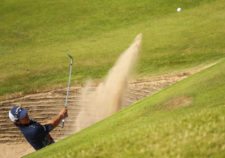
[(35, 37), (154, 128), (184, 120)]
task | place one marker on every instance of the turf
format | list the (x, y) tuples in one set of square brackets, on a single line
[(35, 37), (184, 120)]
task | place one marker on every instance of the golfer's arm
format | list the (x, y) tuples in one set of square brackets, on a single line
[(56, 121)]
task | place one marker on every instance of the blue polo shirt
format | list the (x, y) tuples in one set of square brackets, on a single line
[(36, 134)]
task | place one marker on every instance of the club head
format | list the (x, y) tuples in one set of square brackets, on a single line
[(70, 56)]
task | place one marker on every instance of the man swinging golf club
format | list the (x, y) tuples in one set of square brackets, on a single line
[(36, 134)]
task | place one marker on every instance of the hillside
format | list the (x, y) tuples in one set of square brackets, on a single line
[(184, 120), (36, 36)]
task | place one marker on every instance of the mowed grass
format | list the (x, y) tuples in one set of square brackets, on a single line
[(185, 120), (36, 36)]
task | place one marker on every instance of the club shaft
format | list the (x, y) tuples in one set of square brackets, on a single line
[(68, 85)]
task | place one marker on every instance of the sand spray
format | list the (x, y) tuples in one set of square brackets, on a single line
[(99, 102)]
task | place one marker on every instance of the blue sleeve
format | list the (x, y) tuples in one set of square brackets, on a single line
[(48, 128)]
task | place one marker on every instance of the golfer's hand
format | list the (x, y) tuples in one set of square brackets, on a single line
[(63, 113)]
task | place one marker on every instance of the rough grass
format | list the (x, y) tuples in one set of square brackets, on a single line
[(148, 129), (35, 37)]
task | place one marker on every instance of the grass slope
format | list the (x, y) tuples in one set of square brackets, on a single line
[(36, 35), (184, 120)]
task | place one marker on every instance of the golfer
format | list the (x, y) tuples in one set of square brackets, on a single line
[(36, 134)]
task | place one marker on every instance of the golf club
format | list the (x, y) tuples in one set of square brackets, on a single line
[(68, 85)]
